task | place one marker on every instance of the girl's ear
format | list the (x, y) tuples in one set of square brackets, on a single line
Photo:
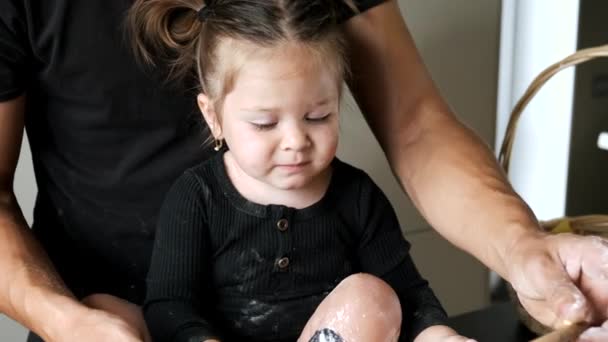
[(207, 109)]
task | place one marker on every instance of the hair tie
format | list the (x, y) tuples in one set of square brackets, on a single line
[(204, 13)]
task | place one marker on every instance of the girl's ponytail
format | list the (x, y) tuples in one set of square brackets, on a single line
[(188, 36), (166, 32)]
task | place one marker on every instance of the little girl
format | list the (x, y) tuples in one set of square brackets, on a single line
[(274, 239)]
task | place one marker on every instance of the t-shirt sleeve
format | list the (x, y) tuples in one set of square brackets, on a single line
[(178, 298), (15, 50), (362, 6), (384, 252)]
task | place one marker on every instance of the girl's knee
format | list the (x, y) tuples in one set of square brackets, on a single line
[(369, 298), (371, 293), (361, 308), (370, 284)]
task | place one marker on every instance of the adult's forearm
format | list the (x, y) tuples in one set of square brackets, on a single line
[(450, 174), (454, 180), (31, 292)]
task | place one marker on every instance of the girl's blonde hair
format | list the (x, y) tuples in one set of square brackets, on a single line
[(213, 47)]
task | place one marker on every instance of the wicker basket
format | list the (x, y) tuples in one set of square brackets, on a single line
[(584, 225)]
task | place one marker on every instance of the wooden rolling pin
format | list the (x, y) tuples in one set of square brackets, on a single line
[(568, 333)]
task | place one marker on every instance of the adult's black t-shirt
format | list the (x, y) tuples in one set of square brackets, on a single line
[(107, 137)]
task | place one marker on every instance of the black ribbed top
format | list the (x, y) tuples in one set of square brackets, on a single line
[(223, 266)]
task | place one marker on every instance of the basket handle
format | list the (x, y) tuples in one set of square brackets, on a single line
[(578, 57)]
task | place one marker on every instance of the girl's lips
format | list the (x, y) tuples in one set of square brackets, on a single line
[(293, 167)]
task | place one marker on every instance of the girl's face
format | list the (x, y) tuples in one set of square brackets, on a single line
[(280, 120)]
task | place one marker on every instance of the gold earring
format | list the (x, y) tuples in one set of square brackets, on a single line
[(219, 143)]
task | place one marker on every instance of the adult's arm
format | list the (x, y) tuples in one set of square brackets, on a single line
[(31, 291), (449, 173), (454, 180)]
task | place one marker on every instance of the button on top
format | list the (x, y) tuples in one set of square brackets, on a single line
[(283, 263), (282, 225)]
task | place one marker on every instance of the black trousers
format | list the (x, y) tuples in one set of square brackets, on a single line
[(34, 338)]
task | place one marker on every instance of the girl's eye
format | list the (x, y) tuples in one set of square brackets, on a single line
[(319, 118), (263, 126)]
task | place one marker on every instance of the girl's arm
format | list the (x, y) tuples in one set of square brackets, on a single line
[(178, 298), (384, 252)]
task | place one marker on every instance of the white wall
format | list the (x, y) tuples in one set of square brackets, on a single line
[(459, 41)]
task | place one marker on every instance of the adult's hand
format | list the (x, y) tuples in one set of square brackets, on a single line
[(441, 333), (130, 317), (31, 291), (563, 278), (98, 326)]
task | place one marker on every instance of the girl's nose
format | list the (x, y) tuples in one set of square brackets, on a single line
[(296, 139)]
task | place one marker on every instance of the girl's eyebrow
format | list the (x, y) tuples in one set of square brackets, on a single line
[(272, 109), (260, 109), (323, 102)]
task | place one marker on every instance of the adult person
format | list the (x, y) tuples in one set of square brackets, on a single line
[(104, 159)]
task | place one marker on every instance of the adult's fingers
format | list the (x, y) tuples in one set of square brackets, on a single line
[(586, 260), (544, 284)]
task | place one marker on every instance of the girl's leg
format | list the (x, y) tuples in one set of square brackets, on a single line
[(361, 308), (128, 311)]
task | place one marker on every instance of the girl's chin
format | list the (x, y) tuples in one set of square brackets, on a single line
[(292, 183)]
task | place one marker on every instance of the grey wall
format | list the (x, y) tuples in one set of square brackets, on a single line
[(459, 42), (588, 165)]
